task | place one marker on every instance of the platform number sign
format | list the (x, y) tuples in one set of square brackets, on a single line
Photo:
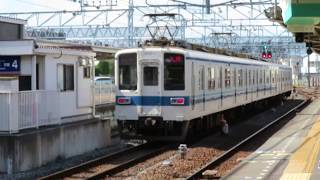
[(10, 64)]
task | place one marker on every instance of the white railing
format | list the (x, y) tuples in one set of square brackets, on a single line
[(104, 94), (28, 109), (5, 112)]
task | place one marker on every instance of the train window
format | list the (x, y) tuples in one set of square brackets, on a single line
[(173, 71), (220, 78), (245, 77), (240, 77), (227, 75), (211, 78), (150, 76), (260, 77), (272, 76), (201, 78), (257, 77), (253, 77), (128, 71), (249, 77), (234, 77)]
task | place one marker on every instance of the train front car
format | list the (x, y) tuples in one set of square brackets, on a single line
[(151, 95)]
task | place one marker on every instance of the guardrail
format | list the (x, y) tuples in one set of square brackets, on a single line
[(28, 109), (104, 93)]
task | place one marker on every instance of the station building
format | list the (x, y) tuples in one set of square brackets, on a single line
[(314, 70), (46, 100)]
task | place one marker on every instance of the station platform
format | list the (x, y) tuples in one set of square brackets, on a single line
[(32, 148), (293, 153)]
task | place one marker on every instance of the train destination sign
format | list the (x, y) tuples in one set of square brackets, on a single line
[(10, 64), (174, 58)]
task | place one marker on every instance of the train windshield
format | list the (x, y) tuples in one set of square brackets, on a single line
[(173, 71), (150, 76), (128, 71)]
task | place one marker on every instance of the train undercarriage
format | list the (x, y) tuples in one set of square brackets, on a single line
[(155, 129)]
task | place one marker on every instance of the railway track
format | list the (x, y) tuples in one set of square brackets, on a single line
[(232, 151), (182, 168), (120, 163), (109, 164)]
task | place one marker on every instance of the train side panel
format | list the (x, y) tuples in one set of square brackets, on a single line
[(159, 88)]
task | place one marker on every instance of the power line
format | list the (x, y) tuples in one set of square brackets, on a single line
[(35, 4)]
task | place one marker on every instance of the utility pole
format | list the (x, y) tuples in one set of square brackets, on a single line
[(309, 51), (208, 6), (130, 23), (308, 71), (275, 9)]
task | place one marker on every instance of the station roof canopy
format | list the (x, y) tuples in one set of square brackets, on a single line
[(301, 12), (12, 20), (102, 52), (302, 18)]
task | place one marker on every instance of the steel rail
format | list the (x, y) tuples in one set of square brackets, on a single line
[(226, 155), (128, 164), (92, 163)]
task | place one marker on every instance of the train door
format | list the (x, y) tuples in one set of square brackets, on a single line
[(235, 84), (281, 81), (270, 82), (193, 86), (254, 86), (150, 89), (220, 86), (249, 85), (202, 87), (257, 83), (276, 80), (246, 82), (264, 83)]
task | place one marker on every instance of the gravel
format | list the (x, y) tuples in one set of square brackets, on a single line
[(204, 151), (169, 165)]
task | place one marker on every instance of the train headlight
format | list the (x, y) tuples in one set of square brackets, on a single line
[(123, 100), (177, 101)]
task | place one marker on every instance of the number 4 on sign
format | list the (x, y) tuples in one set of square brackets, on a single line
[(15, 64)]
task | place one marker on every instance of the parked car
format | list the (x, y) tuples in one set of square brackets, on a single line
[(103, 80)]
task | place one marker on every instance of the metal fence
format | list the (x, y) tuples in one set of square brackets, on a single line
[(104, 94), (32, 109), (28, 109)]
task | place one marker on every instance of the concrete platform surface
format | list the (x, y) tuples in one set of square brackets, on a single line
[(291, 153), (37, 147)]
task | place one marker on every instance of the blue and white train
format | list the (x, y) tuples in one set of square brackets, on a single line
[(161, 90)]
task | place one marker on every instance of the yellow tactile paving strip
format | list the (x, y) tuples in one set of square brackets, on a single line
[(304, 159)]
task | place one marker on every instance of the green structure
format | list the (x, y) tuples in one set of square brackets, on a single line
[(301, 15)]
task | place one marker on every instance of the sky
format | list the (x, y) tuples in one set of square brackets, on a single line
[(34, 5), (23, 5), (46, 5), (11, 6), (58, 5), (7, 6)]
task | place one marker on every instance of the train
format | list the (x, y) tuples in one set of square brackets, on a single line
[(163, 91)]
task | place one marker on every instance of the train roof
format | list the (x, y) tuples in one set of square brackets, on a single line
[(203, 55)]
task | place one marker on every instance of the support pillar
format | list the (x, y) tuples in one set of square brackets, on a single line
[(34, 73)]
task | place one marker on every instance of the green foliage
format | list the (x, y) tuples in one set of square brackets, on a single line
[(97, 71), (104, 68)]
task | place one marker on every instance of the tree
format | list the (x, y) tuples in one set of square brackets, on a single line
[(104, 68)]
